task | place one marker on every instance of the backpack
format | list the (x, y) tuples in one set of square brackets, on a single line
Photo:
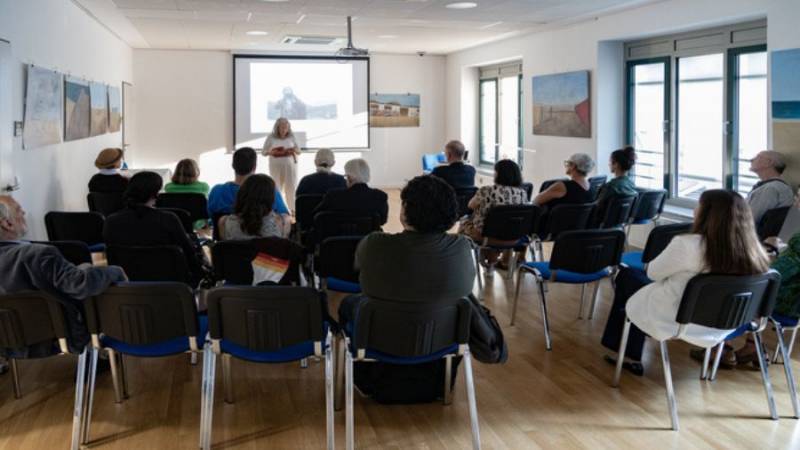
[(486, 342)]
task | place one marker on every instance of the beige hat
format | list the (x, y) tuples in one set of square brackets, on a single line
[(108, 158)]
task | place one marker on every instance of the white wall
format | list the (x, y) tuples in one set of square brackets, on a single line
[(58, 35), (184, 109)]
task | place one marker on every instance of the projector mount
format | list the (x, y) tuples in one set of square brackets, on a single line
[(350, 50)]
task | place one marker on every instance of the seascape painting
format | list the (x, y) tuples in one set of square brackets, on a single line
[(43, 98), (98, 94), (77, 108)]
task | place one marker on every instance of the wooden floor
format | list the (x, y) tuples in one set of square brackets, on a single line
[(538, 399)]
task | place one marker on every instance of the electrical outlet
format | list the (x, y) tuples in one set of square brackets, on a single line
[(17, 128)]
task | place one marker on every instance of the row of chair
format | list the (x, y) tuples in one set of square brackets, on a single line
[(107, 203)]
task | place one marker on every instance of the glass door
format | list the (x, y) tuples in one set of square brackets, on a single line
[(648, 119)]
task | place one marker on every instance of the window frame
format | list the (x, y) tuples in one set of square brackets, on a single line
[(496, 81)]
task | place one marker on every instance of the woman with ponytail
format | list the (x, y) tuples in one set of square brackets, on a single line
[(620, 164)]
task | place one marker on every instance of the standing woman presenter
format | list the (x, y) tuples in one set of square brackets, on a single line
[(282, 149)]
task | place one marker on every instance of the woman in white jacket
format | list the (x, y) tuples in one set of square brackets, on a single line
[(282, 149), (723, 240)]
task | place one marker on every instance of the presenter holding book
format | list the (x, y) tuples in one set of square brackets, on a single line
[(282, 150)]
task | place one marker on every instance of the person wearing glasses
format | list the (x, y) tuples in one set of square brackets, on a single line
[(574, 190), (358, 199)]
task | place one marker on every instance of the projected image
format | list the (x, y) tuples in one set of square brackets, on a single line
[(291, 107)]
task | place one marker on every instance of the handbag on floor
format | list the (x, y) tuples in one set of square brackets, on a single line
[(486, 341)]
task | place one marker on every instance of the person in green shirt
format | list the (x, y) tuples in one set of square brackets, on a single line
[(620, 164), (184, 180)]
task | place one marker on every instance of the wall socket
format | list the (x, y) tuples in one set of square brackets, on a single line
[(17, 128)]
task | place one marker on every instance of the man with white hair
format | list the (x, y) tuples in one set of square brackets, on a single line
[(771, 191), (324, 179), (358, 199), (456, 173)]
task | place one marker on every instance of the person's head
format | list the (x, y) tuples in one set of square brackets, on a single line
[(109, 158), (726, 224), (324, 159), (254, 201), (282, 128), (244, 161), (356, 171), (454, 151), (143, 188), (186, 172), (768, 164), (429, 205), (13, 225), (622, 160), (506, 173), (579, 165)]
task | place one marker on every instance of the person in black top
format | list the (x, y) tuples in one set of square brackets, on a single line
[(141, 224), (323, 180), (108, 180), (574, 190), (456, 173), (358, 198)]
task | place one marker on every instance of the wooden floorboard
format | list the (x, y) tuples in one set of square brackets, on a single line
[(538, 399)]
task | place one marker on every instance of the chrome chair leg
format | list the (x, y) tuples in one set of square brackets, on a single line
[(349, 413), (304, 363), (339, 381), (512, 264), (87, 416), (203, 381), (193, 358), (473, 406), (595, 294), (545, 319), (623, 344), (787, 370), (123, 374), (717, 359), (448, 380), (329, 422), (520, 273), (209, 391), (673, 406), (583, 298), (15, 377), (773, 412), (706, 361), (113, 362), (227, 380), (477, 252), (80, 398), (791, 343)]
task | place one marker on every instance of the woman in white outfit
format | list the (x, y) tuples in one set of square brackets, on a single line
[(282, 150)]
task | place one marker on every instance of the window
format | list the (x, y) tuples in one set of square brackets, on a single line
[(749, 104), (488, 128), (648, 90), (500, 113)]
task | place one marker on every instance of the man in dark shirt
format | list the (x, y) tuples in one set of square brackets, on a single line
[(358, 198), (456, 173), (324, 179)]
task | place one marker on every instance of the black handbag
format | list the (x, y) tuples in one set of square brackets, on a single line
[(486, 341)]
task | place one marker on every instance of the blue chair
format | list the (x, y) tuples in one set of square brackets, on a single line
[(410, 333), (579, 257), (658, 239), (430, 161), (335, 264), (264, 324)]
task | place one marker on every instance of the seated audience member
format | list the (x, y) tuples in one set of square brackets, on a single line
[(253, 216), (456, 173), (185, 179), (771, 191), (108, 180), (141, 224), (358, 198), (222, 196), (324, 179), (620, 163), (506, 190), (574, 190), (723, 241), (25, 266)]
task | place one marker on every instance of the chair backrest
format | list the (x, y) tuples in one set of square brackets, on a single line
[(337, 257), (464, 195), (30, 317), (152, 263), (266, 318), (429, 162), (105, 203), (74, 226), (566, 217), (76, 252), (649, 205), (587, 251), (143, 313), (728, 301), (195, 204), (510, 222), (660, 237), (304, 210), (332, 223), (595, 183), (547, 183), (618, 211), (406, 329), (233, 260), (771, 222), (184, 217), (528, 188)]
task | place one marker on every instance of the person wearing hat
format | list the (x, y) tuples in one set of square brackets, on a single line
[(574, 190), (108, 180), (324, 179)]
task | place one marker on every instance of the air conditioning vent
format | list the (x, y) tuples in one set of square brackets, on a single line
[(312, 40)]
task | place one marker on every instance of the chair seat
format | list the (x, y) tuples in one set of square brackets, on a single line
[(739, 331), (786, 322), (97, 248), (565, 276), (291, 353), (641, 222), (408, 360), (633, 260), (166, 348), (339, 285)]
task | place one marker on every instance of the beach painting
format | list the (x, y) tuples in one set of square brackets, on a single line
[(42, 116), (77, 108), (562, 105), (394, 110), (98, 94), (114, 109)]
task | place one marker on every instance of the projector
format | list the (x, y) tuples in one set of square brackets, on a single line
[(350, 50)]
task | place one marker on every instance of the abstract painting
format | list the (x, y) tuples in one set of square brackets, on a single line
[(114, 109), (42, 108), (394, 110), (76, 109), (562, 105), (98, 94)]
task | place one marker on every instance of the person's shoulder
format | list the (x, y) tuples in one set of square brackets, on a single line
[(439, 169)]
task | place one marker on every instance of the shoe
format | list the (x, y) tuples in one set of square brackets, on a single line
[(635, 368)]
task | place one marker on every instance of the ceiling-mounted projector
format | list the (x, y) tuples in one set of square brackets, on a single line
[(350, 50)]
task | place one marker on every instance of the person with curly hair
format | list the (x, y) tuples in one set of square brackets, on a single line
[(253, 216)]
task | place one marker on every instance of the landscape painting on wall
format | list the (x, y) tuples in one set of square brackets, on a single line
[(42, 108), (562, 105), (786, 101), (394, 110), (114, 109), (99, 116), (76, 109)]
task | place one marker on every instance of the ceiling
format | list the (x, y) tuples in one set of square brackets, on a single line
[(392, 26)]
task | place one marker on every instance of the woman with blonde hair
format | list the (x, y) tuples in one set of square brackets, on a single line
[(282, 149), (185, 179)]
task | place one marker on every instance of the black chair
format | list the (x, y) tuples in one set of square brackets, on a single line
[(30, 318), (506, 228), (547, 183), (410, 333), (648, 208), (195, 204), (579, 257), (595, 183), (184, 217), (233, 260), (617, 212), (106, 203), (264, 324), (215, 231), (721, 302), (335, 264), (331, 223), (772, 222), (658, 239), (304, 210), (76, 226), (151, 263), (76, 252), (463, 196), (565, 217), (528, 188)]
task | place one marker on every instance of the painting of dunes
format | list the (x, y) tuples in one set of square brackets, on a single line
[(76, 109), (394, 110), (114, 109), (98, 94), (562, 105), (42, 108)]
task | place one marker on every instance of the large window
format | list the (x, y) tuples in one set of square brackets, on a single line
[(697, 109), (500, 113)]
